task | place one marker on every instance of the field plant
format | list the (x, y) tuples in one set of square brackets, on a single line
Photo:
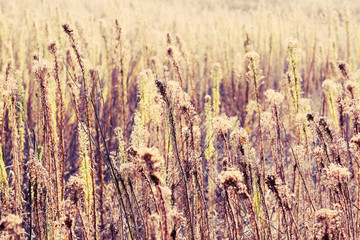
[(211, 119)]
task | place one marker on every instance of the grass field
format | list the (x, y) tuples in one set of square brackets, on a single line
[(209, 119)]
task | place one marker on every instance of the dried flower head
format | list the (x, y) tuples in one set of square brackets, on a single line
[(222, 124), (232, 178), (293, 43), (344, 69), (252, 57), (278, 188), (153, 161), (240, 135), (11, 224), (336, 174), (328, 224), (254, 74), (11, 87), (267, 121), (36, 170), (351, 87), (300, 119), (274, 98), (76, 185), (67, 29), (182, 100), (52, 48), (41, 70), (331, 85), (294, 50), (128, 168), (356, 140)]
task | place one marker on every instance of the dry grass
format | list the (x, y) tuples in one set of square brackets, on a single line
[(179, 120)]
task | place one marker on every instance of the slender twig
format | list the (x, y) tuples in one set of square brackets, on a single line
[(162, 90), (301, 175), (115, 177)]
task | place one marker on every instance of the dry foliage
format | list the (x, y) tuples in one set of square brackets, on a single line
[(183, 119)]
